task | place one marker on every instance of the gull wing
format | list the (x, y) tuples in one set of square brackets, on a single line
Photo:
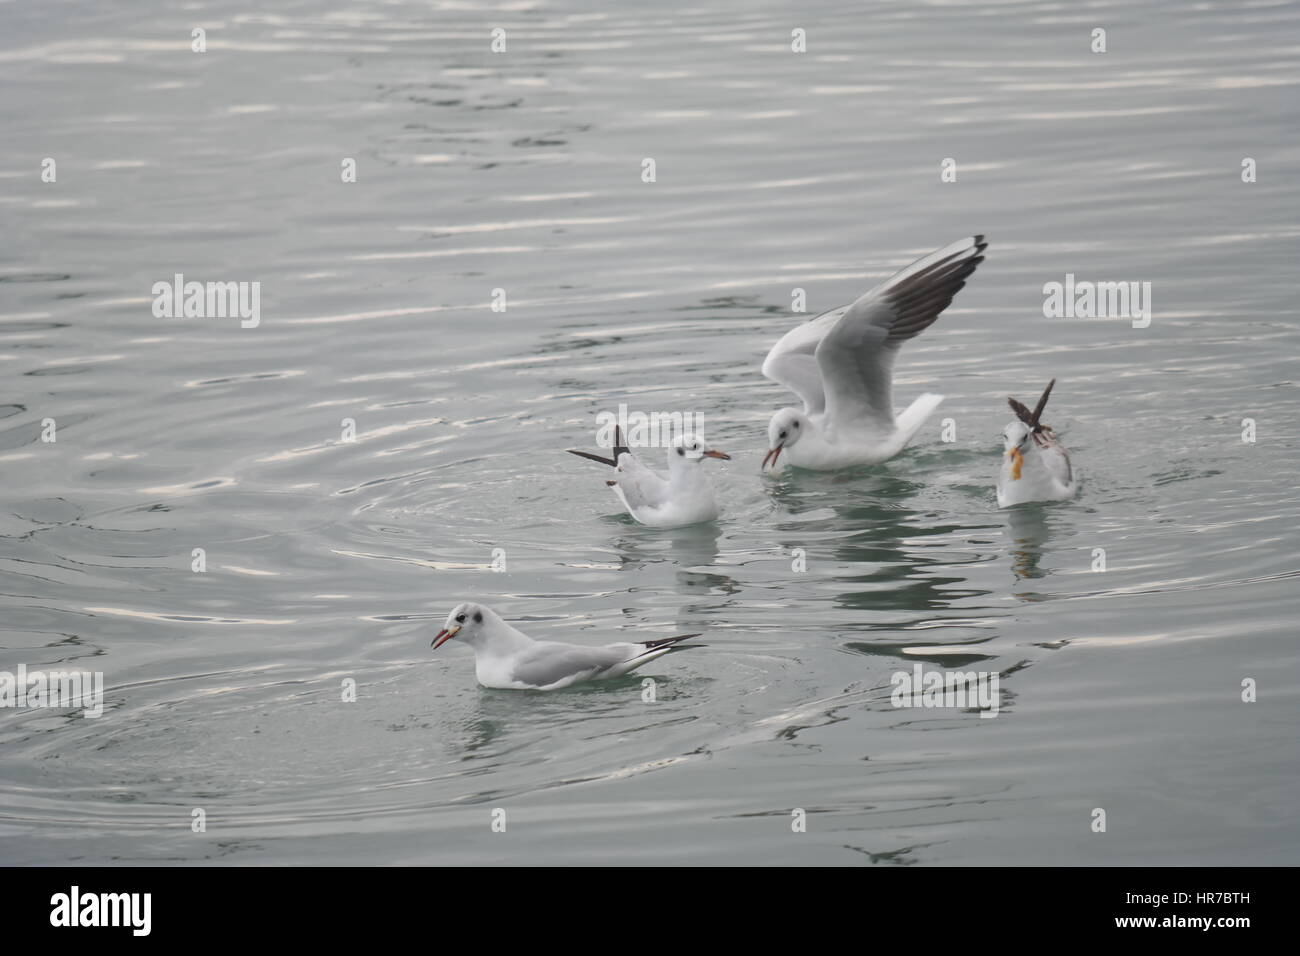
[(549, 662), (792, 362), (1032, 418), (856, 355), (619, 448), (638, 484), (1055, 458)]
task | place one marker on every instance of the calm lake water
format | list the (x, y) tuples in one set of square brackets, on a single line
[(328, 560)]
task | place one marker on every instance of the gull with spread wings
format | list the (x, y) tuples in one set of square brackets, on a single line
[(841, 364)]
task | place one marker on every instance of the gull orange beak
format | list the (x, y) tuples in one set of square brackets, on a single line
[(713, 453), (443, 636), (772, 455), (1017, 462)]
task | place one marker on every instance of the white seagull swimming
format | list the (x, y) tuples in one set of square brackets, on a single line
[(507, 658), (1035, 465), (842, 365), (685, 497)]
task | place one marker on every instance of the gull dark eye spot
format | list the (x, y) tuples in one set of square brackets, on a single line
[(681, 451), (796, 424), (460, 618), (782, 435)]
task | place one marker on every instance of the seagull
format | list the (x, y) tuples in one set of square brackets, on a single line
[(686, 497), (509, 659), (1037, 470), (842, 365)]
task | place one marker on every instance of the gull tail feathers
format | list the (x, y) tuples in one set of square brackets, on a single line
[(653, 649), (915, 415)]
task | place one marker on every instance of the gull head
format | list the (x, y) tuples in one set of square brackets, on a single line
[(466, 621), (1015, 442), (786, 427), (693, 448)]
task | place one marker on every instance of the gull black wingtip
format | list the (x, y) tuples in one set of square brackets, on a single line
[(588, 455), (1022, 413), (619, 449), (1032, 419), (659, 645), (1042, 402)]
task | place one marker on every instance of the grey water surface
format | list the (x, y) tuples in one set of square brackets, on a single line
[(329, 560)]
